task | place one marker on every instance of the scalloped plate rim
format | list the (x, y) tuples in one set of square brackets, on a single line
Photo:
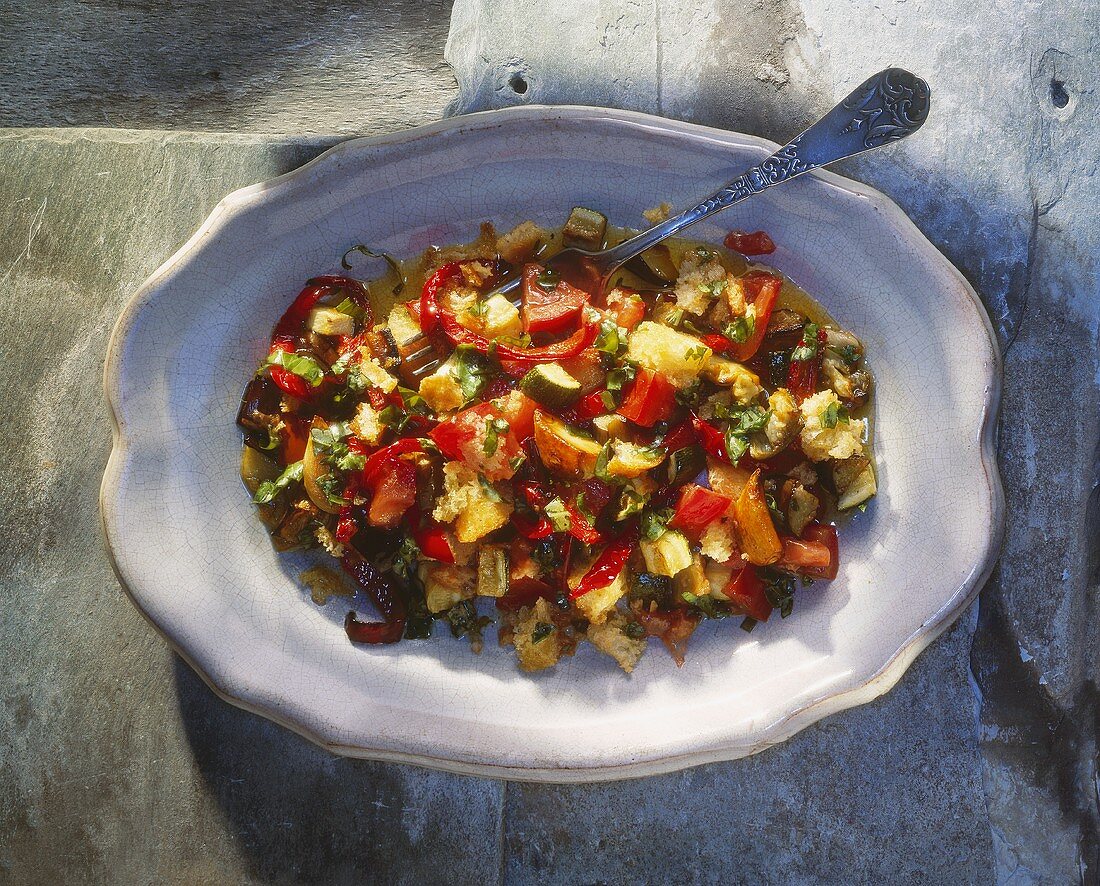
[(776, 732)]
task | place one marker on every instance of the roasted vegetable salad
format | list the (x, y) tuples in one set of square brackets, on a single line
[(600, 461)]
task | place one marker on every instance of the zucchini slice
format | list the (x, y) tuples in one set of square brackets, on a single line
[(564, 450), (550, 385)]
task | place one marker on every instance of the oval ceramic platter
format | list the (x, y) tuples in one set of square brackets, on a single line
[(192, 555)]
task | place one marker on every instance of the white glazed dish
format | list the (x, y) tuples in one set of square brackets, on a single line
[(191, 553)]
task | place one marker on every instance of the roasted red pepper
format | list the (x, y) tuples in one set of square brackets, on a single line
[(580, 527), (802, 375), (373, 465), (651, 398), (549, 311), (394, 493), (591, 405), (764, 290), (815, 555), (698, 508), (384, 593), (609, 564), (433, 314), (745, 590), (680, 436), (710, 438), (756, 243), (534, 530), (433, 543), (428, 315)]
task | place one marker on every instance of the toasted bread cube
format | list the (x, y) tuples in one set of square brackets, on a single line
[(611, 637), (537, 639)]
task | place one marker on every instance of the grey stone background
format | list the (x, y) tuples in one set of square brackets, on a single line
[(127, 121)]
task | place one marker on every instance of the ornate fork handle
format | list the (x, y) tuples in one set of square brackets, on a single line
[(889, 106)]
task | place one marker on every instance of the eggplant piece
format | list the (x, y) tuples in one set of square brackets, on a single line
[(784, 321), (259, 408)]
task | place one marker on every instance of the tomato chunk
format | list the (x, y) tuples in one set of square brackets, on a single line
[(816, 554), (550, 310), (395, 493), (698, 508), (466, 437), (745, 590), (651, 398), (756, 243)]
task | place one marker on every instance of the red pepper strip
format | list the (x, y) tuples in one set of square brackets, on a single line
[(429, 297), (802, 375), (717, 343), (580, 528), (292, 384), (591, 405), (432, 541), (385, 594), (609, 564), (536, 496), (294, 319), (757, 243), (767, 288), (346, 527), (533, 530), (386, 453), (569, 347), (711, 439)]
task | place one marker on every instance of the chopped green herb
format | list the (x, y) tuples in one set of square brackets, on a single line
[(488, 488), (807, 348), (301, 365), (546, 556), (347, 306), (464, 620), (269, 489), (479, 308), (707, 606), (692, 395), (736, 444), (654, 523), (633, 630), (472, 370), (332, 487), (696, 354), (631, 502), (740, 329), (494, 427), (617, 378), (558, 515), (602, 461), (779, 589), (850, 354), (385, 256), (674, 317), (833, 414), (651, 586), (609, 340)]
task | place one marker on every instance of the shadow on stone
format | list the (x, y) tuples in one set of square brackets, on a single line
[(302, 814)]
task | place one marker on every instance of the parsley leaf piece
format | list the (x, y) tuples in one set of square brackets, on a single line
[(740, 329), (653, 524), (807, 348), (385, 256), (488, 488), (269, 489), (558, 516), (301, 365), (609, 341), (472, 370), (494, 427), (779, 589), (633, 630)]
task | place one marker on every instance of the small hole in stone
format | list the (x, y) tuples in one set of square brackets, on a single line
[(1058, 95), (518, 84)]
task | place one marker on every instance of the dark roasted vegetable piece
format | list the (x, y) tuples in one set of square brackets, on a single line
[(585, 228), (383, 591), (655, 265)]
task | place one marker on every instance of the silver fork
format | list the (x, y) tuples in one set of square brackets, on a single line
[(888, 106)]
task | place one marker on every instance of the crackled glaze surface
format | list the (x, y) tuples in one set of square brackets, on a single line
[(198, 563)]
